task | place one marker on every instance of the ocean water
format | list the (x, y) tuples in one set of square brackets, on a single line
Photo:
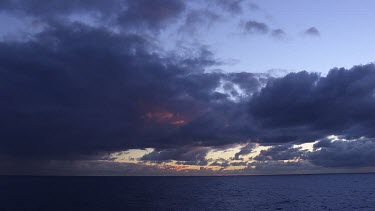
[(292, 192)]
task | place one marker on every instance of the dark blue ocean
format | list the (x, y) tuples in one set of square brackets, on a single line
[(296, 192)]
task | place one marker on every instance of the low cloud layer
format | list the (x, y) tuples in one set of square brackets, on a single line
[(244, 151), (353, 153), (187, 155), (280, 153)]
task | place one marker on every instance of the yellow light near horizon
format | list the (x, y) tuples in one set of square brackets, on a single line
[(131, 155), (224, 154)]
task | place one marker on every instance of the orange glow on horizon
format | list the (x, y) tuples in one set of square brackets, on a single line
[(165, 118), (159, 116)]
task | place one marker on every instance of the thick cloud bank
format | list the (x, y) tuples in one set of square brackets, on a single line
[(353, 153), (73, 89), (305, 106), (81, 90)]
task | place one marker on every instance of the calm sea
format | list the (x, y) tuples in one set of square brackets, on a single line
[(297, 192)]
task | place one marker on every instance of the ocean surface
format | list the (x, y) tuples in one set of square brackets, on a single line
[(292, 192)]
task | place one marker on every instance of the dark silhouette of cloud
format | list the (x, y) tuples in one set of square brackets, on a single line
[(313, 31), (238, 164), (254, 27), (48, 8), (244, 151), (352, 153), (221, 163), (185, 155), (305, 106), (278, 33), (79, 92), (136, 15), (75, 91), (281, 152), (147, 14)]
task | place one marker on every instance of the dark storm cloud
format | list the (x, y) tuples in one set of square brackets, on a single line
[(45, 8), (89, 167), (312, 32), (221, 163), (281, 152), (184, 155), (200, 59), (124, 13), (74, 90), (238, 164), (78, 92), (248, 82), (254, 27), (244, 151), (353, 153), (305, 106)]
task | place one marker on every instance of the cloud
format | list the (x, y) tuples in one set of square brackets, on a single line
[(281, 167), (221, 163), (75, 91), (93, 168), (79, 92), (153, 14), (253, 6), (244, 151), (46, 8), (198, 19), (233, 7), (278, 33), (302, 107), (127, 14), (238, 164), (312, 31), (254, 27), (281, 153), (184, 155), (341, 153)]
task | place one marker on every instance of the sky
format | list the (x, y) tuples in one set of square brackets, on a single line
[(172, 87)]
